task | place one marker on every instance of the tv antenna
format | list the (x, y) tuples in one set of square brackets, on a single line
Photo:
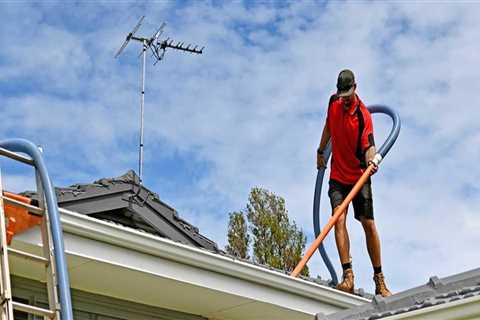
[(158, 48)]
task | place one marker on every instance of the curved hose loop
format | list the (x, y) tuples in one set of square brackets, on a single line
[(316, 216), (392, 137), (384, 149), (25, 146)]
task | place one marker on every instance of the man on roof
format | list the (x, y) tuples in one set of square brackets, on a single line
[(350, 130)]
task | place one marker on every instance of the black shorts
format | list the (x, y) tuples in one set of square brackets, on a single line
[(362, 203)]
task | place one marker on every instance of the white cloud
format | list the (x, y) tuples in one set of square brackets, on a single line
[(250, 111)]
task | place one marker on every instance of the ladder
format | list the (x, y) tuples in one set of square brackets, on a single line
[(52, 257)]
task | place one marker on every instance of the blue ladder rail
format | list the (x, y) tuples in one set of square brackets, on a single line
[(27, 147)]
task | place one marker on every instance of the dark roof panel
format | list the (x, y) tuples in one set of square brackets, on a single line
[(124, 201)]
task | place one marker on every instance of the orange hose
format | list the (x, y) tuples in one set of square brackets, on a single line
[(17, 197), (333, 220)]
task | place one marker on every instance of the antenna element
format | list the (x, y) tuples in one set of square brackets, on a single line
[(158, 48)]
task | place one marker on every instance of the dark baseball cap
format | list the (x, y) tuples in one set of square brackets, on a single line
[(345, 83)]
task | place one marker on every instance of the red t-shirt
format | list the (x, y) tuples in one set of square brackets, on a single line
[(348, 151)]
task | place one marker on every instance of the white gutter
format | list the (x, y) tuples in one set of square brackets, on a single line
[(468, 308), (120, 236)]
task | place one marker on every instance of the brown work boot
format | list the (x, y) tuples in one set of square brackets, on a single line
[(347, 283), (380, 286)]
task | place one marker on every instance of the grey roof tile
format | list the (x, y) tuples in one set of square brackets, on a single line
[(124, 201), (435, 292)]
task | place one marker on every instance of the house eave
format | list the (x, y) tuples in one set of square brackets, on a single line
[(110, 259), (164, 248)]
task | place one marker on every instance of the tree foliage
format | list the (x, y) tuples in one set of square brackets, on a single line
[(275, 240), (238, 237)]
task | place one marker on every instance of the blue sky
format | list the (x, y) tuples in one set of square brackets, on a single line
[(250, 110)]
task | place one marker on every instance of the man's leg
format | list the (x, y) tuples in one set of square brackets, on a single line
[(373, 241), (363, 204), (342, 239), (373, 247), (337, 193), (343, 247)]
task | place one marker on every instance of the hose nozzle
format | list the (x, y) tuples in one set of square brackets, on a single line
[(377, 159)]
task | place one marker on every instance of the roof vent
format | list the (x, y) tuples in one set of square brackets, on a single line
[(380, 303), (435, 283)]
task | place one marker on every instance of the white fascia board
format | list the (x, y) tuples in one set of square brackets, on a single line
[(468, 308), (139, 241)]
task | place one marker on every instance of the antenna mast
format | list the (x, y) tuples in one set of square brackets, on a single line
[(158, 48)]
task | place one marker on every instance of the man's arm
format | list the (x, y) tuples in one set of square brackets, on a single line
[(324, 139), (321, 163), (368, 141), (369, 155)]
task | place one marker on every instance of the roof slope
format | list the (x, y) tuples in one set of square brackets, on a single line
[(436, 292), (124, 201)]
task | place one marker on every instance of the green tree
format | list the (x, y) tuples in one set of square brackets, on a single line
[(238, 237), (276, 242)]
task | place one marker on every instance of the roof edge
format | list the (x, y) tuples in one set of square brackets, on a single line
[(121, 236), (460, 309)]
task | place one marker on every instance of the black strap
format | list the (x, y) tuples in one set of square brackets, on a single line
[(361, 127), (333, 97)]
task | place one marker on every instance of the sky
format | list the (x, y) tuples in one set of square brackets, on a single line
[(250, 110)]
